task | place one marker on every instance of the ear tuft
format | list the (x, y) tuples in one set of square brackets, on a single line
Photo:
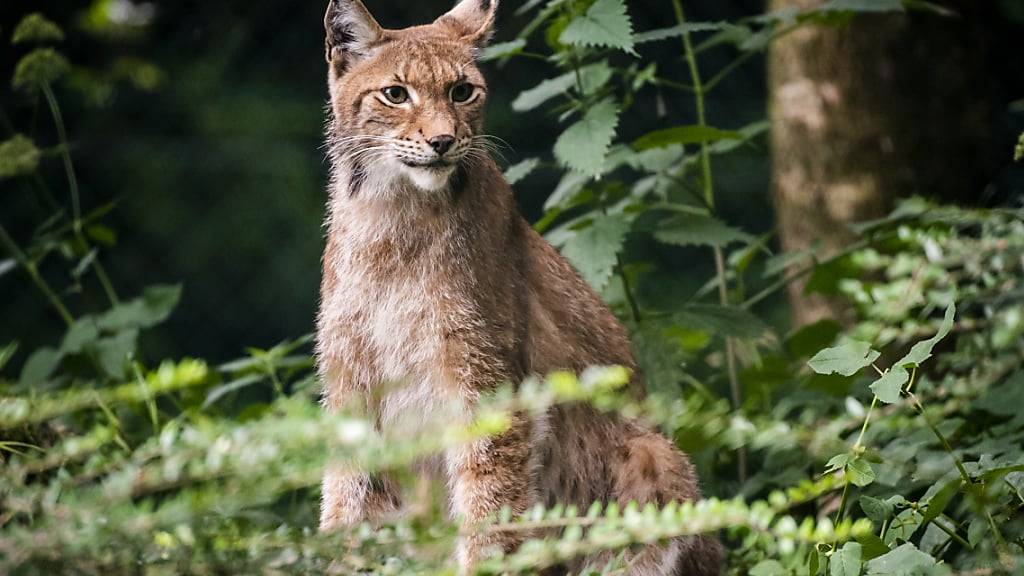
[(473, 19), (351, 31)]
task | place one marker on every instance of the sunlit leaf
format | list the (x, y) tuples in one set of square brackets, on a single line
[(606, 23), (38, 67), (36, 28), (846, 358), (18, 156)]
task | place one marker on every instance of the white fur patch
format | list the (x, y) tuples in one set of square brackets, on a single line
[(428, 179)]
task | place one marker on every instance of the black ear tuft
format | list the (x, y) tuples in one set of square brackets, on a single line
[(350, 31)]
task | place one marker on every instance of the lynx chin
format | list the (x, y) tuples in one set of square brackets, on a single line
[(435, 290)]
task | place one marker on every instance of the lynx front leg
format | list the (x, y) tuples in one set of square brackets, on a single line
[(484, 477), (350, 497)]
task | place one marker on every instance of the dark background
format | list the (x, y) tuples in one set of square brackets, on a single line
[(203, 122)]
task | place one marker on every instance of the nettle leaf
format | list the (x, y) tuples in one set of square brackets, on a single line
[(517, 172), (592, 77), (677, 31), (36, 28), (877, 510), (923, 350), (721, 320), (861, 473), (502, 49), (698, 230), (691, 134), (846, 359), (906, 560), (152, 308), (846, 560), (606, 23), (593, 251), (38, 67), (888, 387), (584, 145), (18, 156)]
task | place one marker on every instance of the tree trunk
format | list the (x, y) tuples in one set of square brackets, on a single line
[(890, 105)]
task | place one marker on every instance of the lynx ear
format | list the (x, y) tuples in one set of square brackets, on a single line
[(351, 31), (473, 20)]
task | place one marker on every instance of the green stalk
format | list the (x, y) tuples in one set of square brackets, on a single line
[(37, 279), (76, 202), (699, 92)]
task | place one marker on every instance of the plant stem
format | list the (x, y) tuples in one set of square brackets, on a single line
[(699, 92), (33, 273), (76, 201)]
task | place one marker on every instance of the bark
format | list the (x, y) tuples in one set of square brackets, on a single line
[(890, 105)]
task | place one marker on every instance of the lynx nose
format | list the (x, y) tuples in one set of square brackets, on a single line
[(441, 143)]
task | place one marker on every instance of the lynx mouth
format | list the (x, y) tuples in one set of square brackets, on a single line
[(438, 164)]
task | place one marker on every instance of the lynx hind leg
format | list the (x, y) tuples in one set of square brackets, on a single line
[(350, 497), (649, 468)]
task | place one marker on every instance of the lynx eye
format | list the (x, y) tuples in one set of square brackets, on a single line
[(396, 94), (462, 92)]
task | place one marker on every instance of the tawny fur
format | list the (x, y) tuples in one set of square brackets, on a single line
[(436, 290)]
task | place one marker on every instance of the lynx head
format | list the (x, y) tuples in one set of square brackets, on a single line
[(407, 105)]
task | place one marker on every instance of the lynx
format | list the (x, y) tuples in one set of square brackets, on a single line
[(435, 291)]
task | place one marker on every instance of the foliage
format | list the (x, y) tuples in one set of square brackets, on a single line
[(888, 446)]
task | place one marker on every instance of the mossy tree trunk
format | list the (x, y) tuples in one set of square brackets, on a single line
[(890, 105)]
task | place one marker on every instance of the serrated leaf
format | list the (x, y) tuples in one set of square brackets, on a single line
[(38, 67), (846, 560), (677, 30), (923, 350), (846, 359), (606, 23), (691, 134), (591, 77), (18, 156), (699, 230), (502, 49), (517, 172), (888, 387), (861, 473), (871, 546), (593, 250), (584, 145), (877, 510), (906, 560), (938, 503), (721, 320), (36, 28)]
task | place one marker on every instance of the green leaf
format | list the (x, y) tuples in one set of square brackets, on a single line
[(36, 28), (112, 353), (517, 172), (768, 568), (591, 77), (871, 545), (923, 350), (39, 366), (1018, 151), (938, 503), (502, 49), (877, 510), (861, 473), (38, 67), (698, 230), (81, 334), (606, 23), (846, 359), (152, 308), (906, 560), (18, 156), (838, 462), (860, 6), (691, 134), (721, 320), (7, 352), (593, 250), (584, 145), (846, 560), (888, 387), (678, 30)]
